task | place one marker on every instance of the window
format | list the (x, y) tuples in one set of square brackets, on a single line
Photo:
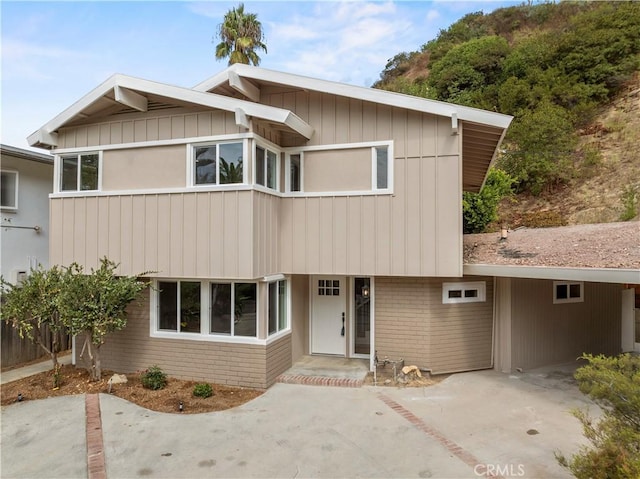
[(9, 190), (80, 172), (568, 292), (233, 309), (472, 292), (295, 172), (328, 287), (381, 163), (266, 168), (219, 164), (277, 306), (179, 306)]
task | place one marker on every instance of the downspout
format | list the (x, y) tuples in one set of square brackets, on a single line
[(493, 329)]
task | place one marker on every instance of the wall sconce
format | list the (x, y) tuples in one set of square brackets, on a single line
[(365, 291)]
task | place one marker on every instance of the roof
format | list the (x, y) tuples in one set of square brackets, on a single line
[(122, 93), (237, 89), (587, 252), (26, 154), (482, 130)]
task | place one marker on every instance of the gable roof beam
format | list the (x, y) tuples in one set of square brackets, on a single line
[(454, 123), (130, 98), (244, 86), (242, 119)]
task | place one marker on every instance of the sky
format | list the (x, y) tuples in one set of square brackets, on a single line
[(53, 53)]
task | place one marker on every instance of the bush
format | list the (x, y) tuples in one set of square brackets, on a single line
[(630, 197), (613, 383), (154, 378), (480, 209), (202, 390)]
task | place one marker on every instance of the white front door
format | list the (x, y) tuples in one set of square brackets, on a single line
[(328, 320)]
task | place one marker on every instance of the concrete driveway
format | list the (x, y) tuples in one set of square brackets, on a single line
[(469, 425)]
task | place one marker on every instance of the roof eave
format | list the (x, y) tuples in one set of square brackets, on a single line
[(596, 275)]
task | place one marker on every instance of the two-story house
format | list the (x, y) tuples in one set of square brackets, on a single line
[(281, 215)]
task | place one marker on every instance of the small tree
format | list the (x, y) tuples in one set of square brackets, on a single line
[(94, 305), (33, 304), (480, 209), (614, 383)]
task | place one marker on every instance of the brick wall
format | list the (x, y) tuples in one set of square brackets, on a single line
[(248, 365), (412, 323)]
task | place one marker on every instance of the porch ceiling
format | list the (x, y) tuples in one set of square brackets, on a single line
[(479, 147)]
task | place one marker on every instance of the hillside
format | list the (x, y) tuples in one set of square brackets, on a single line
[(569, 73)]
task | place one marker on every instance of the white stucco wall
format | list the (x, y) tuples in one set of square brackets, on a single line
[(23, 248)]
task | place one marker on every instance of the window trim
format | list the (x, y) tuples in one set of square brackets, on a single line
[(191, 163), (374, 168), (205, 318), (16, 175), (266, 147), (287, 176), (480, 286), (58, 162), (287, 306), (569, 299)]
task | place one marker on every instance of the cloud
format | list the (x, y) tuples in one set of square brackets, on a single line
[(19, 50), (433, 15)]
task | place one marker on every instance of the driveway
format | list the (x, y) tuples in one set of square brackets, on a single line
[(465, 426)]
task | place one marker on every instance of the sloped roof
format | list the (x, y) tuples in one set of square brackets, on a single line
[(482, 130), (121, 93), (26, 154), (600, 247)]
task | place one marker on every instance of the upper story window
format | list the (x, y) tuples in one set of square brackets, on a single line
[(80, 172), (9, 190), (218, 164), (266, 171), (380, 178), (294, 172)]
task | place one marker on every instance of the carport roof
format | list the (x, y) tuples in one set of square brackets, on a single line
[(598, 252)]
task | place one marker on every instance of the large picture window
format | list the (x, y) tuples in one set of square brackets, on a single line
[(80, 172), (216, 310), (219, 164)]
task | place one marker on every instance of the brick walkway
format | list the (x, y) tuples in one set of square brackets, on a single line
[(449, 445), (319, 381), (95, 448)]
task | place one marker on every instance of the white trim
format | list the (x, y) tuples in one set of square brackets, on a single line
[(130, 98), (57, 187), (390, 168), (191, 164), (259, 143), (338, 146), (479, 286), (372, 324), (44, 135), (350, 91), (287, 174), (568, 299), (153, 143), (273, 277), (16, 175), (352, 312), (594, 275)]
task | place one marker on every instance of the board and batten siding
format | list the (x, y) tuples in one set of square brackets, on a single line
[(247, 365), (177, 235), (543, 333), (413, 324), (149, 126), (415, 232)]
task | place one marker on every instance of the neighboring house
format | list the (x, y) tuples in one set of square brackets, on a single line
[(24, 232), (561, 292), (26, 185), (281, 215)]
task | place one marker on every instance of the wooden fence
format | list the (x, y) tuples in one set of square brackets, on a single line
[(16, 351)]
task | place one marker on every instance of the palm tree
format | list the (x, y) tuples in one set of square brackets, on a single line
[(241, 35)]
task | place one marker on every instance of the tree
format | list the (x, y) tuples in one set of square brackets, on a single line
[(614, 383), (480, 209), (240, 34), (93, 305), (33, 304)]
